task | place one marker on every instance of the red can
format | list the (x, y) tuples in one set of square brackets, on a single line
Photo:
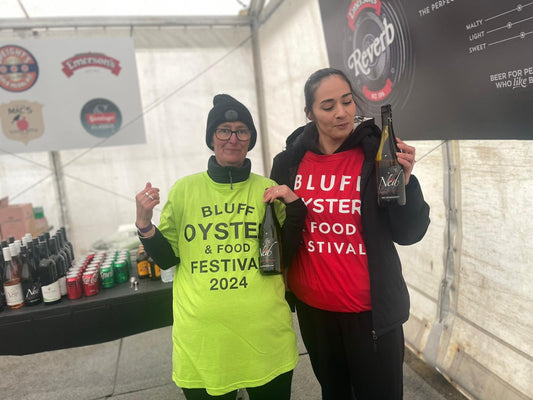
[(74, 286), (90, 282)]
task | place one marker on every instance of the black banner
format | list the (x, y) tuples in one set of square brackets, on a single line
[(452, 69)]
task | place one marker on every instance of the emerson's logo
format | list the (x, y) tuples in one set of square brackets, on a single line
[(90, 60), (378, 52)]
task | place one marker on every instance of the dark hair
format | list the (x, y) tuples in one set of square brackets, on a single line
[(311, 85)]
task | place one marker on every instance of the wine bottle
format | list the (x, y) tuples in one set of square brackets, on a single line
[(2, 295), (69, 245), (61, 265), (269, 243), (63, 249), (48, 276), (46, 236), (31, 287), (14, 250), (12, 286), (35, 251), (389, 172)]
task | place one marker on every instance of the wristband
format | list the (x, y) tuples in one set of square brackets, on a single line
[(145, 230)]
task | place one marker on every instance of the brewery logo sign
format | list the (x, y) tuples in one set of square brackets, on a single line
[(88, 60), (22, 120), (18, 68), (101, 118), (376, 51)]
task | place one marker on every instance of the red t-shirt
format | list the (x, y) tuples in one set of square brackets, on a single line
[(330, 271)]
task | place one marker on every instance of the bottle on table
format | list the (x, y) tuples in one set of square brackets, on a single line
[(154, 271), (143, 265), (29, 277), (48, 277), (270, 261), (2, 295), (62, 249), (14, 250), (61, 265), (35, 251), (67, 243), (46, 238), (389, 172), (12, 285)]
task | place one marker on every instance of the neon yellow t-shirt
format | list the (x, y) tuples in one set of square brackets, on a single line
[(232, 326)]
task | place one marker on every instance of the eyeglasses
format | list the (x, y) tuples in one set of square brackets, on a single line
[(242, 134)]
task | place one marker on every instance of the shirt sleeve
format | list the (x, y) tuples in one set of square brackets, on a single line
[(410, 222), (160, 250), (163, 246)]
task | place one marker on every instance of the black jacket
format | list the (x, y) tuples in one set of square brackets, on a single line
[(382, 227)]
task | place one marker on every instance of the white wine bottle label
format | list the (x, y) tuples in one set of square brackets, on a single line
[(63, 285), (268, 246), (13, 294), (51, 292)]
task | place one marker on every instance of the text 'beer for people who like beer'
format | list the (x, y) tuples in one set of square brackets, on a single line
[(389, 172)]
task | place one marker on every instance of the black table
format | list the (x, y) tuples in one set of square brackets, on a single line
[(109, 315)]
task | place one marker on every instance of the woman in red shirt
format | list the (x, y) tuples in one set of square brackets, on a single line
[(351, 297)]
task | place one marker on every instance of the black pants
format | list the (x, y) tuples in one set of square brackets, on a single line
[(347, 360), (278, 388)]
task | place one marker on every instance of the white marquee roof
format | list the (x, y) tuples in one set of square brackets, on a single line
[(28, 14), (77, 8)]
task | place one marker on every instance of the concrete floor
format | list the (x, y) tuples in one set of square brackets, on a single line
[(139, 367)]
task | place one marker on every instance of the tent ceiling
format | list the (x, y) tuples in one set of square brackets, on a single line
[(27, 14), (69, 8)]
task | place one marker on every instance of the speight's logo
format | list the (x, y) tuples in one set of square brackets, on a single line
[(22, 120), (378, 53), (101, 118), (86, 60), (18, 69)]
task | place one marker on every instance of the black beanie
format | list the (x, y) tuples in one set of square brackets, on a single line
[(227, 109)]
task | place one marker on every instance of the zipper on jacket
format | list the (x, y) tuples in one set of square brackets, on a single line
[(375, 341), (230, 180)]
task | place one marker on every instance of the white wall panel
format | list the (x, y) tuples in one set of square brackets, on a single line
[(292, 47)]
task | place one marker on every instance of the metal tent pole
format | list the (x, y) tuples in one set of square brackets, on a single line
[(55, 160)]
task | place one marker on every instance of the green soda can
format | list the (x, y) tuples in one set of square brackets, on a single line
[(125, 254), (120, 269), (107, 276), (128, 264)]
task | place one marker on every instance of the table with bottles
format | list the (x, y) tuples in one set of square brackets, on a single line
[(133, 304)]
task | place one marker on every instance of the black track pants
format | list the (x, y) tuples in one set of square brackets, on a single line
[(347, 360)]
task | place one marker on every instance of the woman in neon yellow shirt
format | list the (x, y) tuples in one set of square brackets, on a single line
[(232, 326)]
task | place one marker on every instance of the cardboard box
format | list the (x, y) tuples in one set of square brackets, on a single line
[(41, 226), (16, 220)]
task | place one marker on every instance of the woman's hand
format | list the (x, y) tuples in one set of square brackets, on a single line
[(406, 157), (146, 200), (282, 192)]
